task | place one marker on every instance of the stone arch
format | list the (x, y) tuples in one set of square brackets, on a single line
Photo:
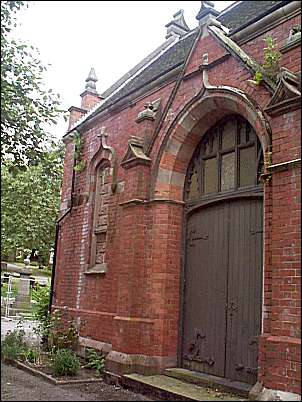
[(103, 157), (100, 183), (188, 128)]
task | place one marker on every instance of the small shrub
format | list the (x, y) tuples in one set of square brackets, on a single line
[(65, 362), (271, 66), (63, 333), (41, 296), (31, 355), (14, 345), (95, 361)]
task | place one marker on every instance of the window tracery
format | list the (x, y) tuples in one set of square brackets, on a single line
[(229, 158)]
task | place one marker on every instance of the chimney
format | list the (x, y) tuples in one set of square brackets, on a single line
[(90, 96), (178, 25)]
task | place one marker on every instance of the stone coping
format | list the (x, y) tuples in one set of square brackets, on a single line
[(48, 377)]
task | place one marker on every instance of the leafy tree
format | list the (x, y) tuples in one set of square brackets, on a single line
[(30, 204), (26, 107)]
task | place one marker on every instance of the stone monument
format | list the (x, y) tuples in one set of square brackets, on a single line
[(23, 297)]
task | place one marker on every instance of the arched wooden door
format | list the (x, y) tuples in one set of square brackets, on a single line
[(223, 268)]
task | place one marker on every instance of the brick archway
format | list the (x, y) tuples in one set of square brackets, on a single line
[(187, 130), (174, 156)]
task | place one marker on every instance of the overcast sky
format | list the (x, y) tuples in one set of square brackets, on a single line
[(111, 36)]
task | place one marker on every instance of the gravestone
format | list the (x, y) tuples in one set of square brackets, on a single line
[(22, 301)]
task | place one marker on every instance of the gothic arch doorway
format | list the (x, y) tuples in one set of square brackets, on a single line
[(221, 318)]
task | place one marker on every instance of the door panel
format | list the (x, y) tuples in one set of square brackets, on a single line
[(223, 287), (205, 291), (244, 290)]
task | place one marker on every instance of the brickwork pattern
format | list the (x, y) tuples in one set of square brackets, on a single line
[(135, 306)]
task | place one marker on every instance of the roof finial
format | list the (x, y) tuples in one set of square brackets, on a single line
[(207, 7), (178, 25), (90, 81)]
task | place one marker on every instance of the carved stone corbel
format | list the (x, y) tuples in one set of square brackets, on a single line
[(135, 154), (150, 111)]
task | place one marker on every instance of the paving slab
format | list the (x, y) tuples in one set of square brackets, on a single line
[(209, 381), (177, 389)]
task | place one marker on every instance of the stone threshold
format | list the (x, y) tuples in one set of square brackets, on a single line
[(166, 388), (48, 377), (208, 380)]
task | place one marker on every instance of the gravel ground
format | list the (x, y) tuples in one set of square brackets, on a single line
[(17, 385)]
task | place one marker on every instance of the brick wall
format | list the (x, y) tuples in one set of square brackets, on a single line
[(135, 305)]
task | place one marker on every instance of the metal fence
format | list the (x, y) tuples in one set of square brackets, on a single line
[(16, 294)]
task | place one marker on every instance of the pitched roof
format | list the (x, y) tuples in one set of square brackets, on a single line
[(234, 17), (245, 12), (170, 59)]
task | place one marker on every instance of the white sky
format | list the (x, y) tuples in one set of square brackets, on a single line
[(111, 36)]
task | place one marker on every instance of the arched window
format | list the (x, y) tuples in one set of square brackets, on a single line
[(100, 219), (228, 159)]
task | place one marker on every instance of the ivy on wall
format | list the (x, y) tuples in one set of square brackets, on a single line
[(78, 148)]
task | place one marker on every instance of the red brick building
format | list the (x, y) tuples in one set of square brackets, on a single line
[(179, 238)]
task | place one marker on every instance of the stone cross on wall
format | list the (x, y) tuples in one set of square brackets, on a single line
[(102, 135)]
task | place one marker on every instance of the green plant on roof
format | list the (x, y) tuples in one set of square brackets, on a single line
[(270, 68)]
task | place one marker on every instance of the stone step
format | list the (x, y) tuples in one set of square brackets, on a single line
[(172, 389), (209, 381)]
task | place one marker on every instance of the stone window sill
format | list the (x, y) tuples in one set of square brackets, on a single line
[(97, 269)]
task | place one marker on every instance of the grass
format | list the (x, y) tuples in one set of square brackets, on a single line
[(14, 288)]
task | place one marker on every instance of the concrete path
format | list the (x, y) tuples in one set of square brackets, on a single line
[(11, 324), (18, 385)]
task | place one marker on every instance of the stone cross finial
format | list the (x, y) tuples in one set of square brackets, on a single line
[(90, 81), (102, 135)]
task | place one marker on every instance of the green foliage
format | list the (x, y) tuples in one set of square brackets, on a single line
[(30, 202), (258, 77), (95, 360), (80, 166), (63, 333), (59, 331), (32, 355), (40, 310), (14, 345), (65, 362), (78, 147), (14, 288), (270, 67), (271, 58), (26, 106)]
